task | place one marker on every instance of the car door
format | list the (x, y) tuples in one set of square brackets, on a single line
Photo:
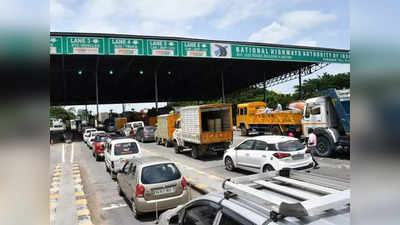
[(243, 153), (122, 177), (258, 154), (131, 181)]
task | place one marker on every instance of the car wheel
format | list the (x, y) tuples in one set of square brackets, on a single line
[(113, 175), (107, 170), (229, 164), (324, 148), (268, 168), (97, 158), (195, 152), (93, 154)]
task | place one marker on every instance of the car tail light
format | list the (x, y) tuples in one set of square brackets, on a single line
[(308, 151), (281, 155), (139, 190), (183, 183)]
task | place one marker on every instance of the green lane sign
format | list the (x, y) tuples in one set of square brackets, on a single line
[(56, 45), (124, 46), (288, 54), (183, 48), (195, 49), (162, 48), (85, 45)]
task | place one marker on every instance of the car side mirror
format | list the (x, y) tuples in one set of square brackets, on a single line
[(174, 220)]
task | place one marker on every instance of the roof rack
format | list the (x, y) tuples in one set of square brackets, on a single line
[(286, 197)]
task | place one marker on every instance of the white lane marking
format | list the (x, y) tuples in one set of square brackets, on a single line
[(63, 153), (115, 206), (72, 153)]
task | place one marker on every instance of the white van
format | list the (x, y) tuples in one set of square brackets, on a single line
[(118, 152)]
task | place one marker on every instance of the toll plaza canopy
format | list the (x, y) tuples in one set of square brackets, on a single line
[(89, 68)]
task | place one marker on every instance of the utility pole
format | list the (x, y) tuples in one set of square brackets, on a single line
[(300, 91), (265, 88)]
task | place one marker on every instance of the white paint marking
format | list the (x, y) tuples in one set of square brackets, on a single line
[(115, 206), (63, 153), (72, 153)]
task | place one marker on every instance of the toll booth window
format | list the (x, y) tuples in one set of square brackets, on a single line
[(316, 111), (245, 111)]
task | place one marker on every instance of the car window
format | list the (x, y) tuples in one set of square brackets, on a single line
[(288, 146), (125, 148), (160, 173), (150, 129), (127, 167), (246, 145), (260, 145), (272, 147), (228, 217), (200, 215)]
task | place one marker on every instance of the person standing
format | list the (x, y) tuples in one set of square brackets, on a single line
[(312, 144)]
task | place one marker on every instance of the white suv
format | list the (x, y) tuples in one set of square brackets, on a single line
[(268, 153), (119, 151)]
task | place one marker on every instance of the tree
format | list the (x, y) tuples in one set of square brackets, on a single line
[(311, 87), (60, 113)]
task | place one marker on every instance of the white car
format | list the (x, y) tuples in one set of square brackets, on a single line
[(86, 134), (92, 136), (268, 153), (118, 152)]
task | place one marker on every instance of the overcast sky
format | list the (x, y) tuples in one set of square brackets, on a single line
[(299, 22)]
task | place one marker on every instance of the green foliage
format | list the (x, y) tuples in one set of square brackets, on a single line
[(60, 113), (311, 87)]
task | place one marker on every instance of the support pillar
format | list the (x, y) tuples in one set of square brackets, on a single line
[(300, 91), (97, 88), (156, 85), (265, 87), (223, 87)]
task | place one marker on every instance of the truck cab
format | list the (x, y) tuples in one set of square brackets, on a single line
[(329, 116)]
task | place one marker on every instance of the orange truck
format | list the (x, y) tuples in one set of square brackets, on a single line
[(165, 129), (252, 119)]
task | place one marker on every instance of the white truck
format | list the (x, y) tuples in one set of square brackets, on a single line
[(329, 116), (203, 129)]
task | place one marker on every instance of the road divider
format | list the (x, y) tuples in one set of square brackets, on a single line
[(82, 210)]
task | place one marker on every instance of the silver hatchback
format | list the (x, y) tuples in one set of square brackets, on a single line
[(152, 182)]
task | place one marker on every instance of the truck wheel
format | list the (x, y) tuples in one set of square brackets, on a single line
[(166, 143), (177, 148), (244, 131), (324, 147), (195, 152)]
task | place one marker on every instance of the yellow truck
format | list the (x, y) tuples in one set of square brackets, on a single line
[(252, 119), (165, 129), (204, 128), (119, 123)]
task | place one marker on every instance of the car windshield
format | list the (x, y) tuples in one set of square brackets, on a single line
[(293, 145), (160, 173), (126, 148)]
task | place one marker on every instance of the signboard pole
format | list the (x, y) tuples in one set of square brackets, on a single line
[(155, 85), (64, 80)]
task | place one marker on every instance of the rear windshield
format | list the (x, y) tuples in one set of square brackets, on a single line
[(150, 129), (101, 138), (288, 146), (126, 148), (160, 173)]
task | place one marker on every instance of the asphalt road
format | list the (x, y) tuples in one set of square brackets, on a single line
[(207, 174)]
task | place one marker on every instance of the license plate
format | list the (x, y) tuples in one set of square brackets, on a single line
[(123, 160), (164, 191), (299, 156)]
